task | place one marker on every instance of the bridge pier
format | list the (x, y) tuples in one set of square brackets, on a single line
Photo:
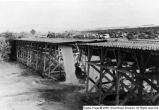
[(69, 64)]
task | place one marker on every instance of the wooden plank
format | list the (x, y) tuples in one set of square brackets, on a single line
[(88, 69)]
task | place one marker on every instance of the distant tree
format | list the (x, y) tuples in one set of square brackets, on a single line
[(8, 36), (32, 31), (51, 35)]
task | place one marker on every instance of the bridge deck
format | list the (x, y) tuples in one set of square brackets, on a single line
[(145, 44), (130, 44), (61, 40)]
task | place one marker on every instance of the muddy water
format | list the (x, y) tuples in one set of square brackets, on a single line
[(23, 89)]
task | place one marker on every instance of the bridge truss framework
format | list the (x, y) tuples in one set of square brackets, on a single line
[(42, 57), (133, 72), (125, 69)]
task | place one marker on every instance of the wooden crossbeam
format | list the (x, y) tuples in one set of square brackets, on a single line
[(96, 69), (96, 84), (100, 72), (111, 74), (58, 65), (152, 85), (107, 78), (113, 68), (130, 79)]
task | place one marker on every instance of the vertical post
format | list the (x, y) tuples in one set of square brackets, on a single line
[(139, 58), (117, 80), (101, 75), (117, 88), (88, 68), (37, 57), (28, 56), (140, 80), (44, 66), (17, 51), (31, 53), (50, 49), (22, 52), (152, 80), (41, 58), (119, 59)]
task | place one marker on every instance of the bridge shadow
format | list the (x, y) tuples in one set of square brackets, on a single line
[(28, 71), (58, 94), (67, 96)]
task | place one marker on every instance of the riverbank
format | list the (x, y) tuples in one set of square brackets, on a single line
[(24, 89)]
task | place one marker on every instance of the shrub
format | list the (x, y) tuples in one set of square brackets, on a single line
[(4, 49), (5, 45)]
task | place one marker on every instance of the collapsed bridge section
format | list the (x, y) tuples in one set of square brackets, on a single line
[(51, 57)]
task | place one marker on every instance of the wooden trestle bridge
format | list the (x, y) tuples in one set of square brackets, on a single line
[(129, 67)]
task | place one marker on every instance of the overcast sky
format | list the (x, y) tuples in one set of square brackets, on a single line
[(59, 15)]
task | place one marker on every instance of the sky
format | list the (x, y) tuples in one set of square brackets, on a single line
[(60, 15)]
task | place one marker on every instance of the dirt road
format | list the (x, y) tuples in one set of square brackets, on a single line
[(23, 89)]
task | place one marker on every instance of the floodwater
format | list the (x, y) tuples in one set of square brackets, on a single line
[(23, 89)]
